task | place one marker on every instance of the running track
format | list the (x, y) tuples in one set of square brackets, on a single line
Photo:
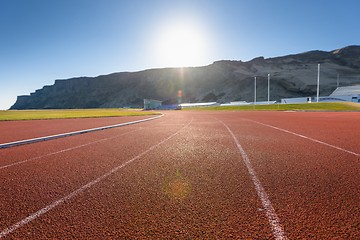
[(187, 175)]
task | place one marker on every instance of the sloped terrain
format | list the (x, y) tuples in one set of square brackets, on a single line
[(222, 81)]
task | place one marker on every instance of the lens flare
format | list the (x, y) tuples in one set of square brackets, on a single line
[(177, 186)]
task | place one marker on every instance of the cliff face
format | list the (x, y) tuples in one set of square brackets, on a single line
[(222, 81)]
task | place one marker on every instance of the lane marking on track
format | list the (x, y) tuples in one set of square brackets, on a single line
[(305, 137), (274, 221), (66, 150), (46, 209), (46, 138)]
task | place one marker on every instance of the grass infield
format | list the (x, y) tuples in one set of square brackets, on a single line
[(12, 115), (288, 107)]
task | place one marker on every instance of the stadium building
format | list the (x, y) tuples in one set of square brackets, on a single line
[(151, 104), (341, 94)]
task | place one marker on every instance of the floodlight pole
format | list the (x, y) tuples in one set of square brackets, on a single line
[(255, 92), (268, 88), (318, 84)]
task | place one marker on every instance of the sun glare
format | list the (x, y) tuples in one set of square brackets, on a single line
[(181, 45)]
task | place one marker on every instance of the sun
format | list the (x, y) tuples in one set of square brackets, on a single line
[(181, 45)]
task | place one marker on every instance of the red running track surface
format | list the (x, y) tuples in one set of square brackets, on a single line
[(183, 176)]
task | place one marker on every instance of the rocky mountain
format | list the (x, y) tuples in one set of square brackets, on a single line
[(223, 81)]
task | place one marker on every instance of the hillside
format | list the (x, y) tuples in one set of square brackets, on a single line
[(223, 81)]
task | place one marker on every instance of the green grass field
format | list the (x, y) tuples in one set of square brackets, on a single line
[(289, 107), (11, 115)]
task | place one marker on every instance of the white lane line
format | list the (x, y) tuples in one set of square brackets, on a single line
[(46, 209), (305, 137), (274, 221), (65, 150), (46, 138)]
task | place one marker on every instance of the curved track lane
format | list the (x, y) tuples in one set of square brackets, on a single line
[(19, 130)]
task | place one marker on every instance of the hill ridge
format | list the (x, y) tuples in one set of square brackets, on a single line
[(292, 75)]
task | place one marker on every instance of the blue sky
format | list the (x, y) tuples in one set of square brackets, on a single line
[(44, 40)]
